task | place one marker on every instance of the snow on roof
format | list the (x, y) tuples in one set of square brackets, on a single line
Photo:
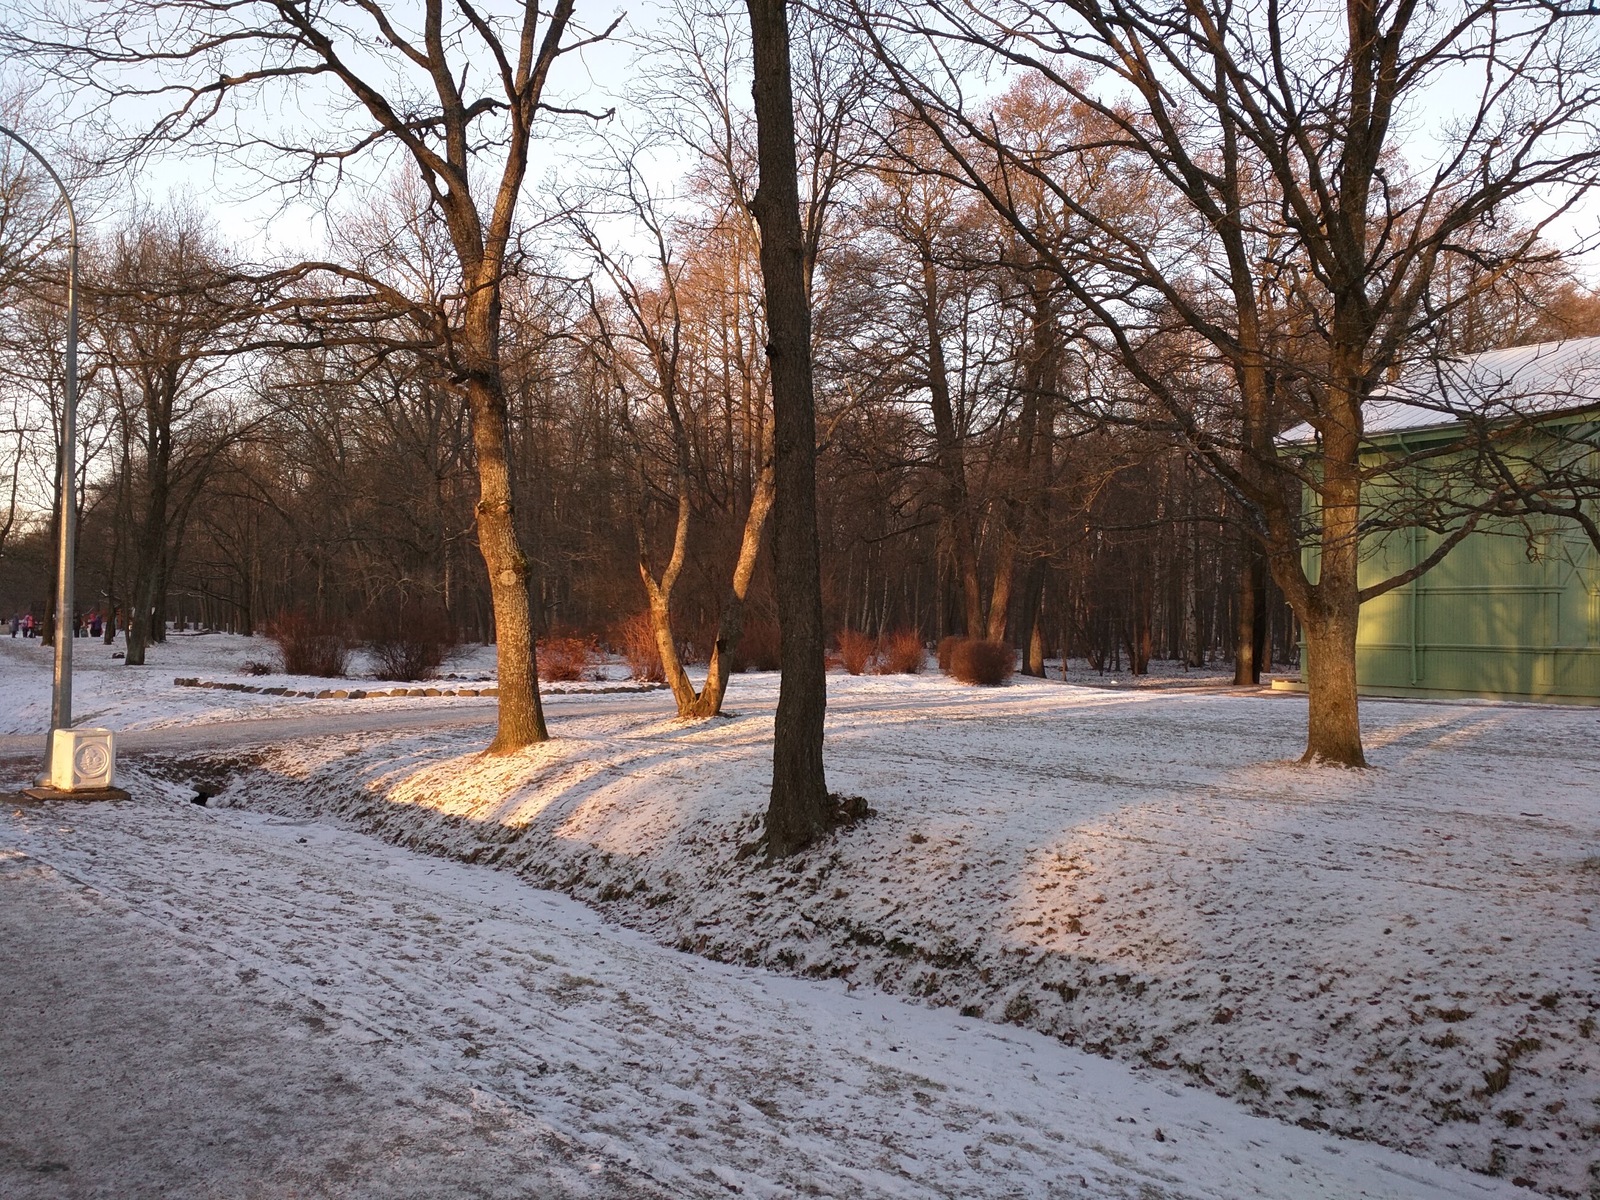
[(1520, 381)]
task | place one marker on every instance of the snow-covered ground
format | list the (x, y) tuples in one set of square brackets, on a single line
[(463, 992), (1405, 955)]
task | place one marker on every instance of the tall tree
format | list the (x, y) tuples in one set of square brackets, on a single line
[(1275, 135), (799, 808), (651, 354), (456, 91), (166, 317)]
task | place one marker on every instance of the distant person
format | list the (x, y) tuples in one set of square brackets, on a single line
[(27, 625), (16, 624), (95, 623)]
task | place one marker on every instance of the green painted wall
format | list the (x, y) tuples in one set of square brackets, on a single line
[(1512, 611)]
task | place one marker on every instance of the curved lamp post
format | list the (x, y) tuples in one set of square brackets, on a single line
[(61, 693)]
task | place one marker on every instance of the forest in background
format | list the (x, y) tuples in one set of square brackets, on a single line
[(258, 439)]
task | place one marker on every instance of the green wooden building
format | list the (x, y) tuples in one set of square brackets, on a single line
[(1513, 610)]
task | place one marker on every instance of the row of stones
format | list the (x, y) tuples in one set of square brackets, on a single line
[(367, 693), (336, 693)]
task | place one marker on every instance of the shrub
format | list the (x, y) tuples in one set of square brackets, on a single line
[(635, 639), (255, 666), (946, 646), (855, 650), (901, 653), (411, 641), (565, 657), (987, 664), (758, 648), (308, 646)]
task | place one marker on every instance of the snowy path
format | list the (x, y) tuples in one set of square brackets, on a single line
[(709, 1079), (139, 1067)]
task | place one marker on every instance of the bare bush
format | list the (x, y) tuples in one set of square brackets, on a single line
[(988, 664), (564, 658), (634, 638), (310, 647), (409, 641), (901, 653), (855, 650)]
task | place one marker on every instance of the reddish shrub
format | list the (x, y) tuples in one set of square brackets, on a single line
[(308, 646), (565, 658), (946, 645), (758, 648), (855, 650), (987, 664), (409, 641), (635, 639), (901, 653)]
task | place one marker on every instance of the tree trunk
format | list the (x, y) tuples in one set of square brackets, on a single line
[(143, 594), (799, 809), (1250, 629), (709, 702), (1333, 732), (1333, 610), (1033, 661), (1000, 595), (521, 716), (951, 456), (1030, 641)]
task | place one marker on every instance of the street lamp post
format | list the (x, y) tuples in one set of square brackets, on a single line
[(61, 693)]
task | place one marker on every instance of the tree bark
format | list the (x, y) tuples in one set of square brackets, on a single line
[(709, 702), (1332, 607), (950, 455), (1333, 732), (521, 715), (1250, 629), (799, 808)]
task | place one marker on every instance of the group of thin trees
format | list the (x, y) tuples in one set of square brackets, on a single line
[(983, 321)]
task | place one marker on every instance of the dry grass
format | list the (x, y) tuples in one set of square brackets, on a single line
[(634, 638), (855, 651), (310, 647), (411, 641), (901, 653), (565, 658), (987, 664)]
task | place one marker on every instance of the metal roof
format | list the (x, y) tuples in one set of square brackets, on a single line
[(1520, 381)]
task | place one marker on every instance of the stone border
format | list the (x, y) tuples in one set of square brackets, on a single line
[(386, 693)]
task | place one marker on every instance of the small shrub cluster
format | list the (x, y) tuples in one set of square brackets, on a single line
[(310, 647), (855, 651), (987, 664), (898, 653), (564, 658), (634, 638), (255, 666), (758, 648), (409, 641), (901, 653)]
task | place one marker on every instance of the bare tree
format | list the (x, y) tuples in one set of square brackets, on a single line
[(800, 808), (456, 91), (650, 358), (167, 317), (1302, 251)]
